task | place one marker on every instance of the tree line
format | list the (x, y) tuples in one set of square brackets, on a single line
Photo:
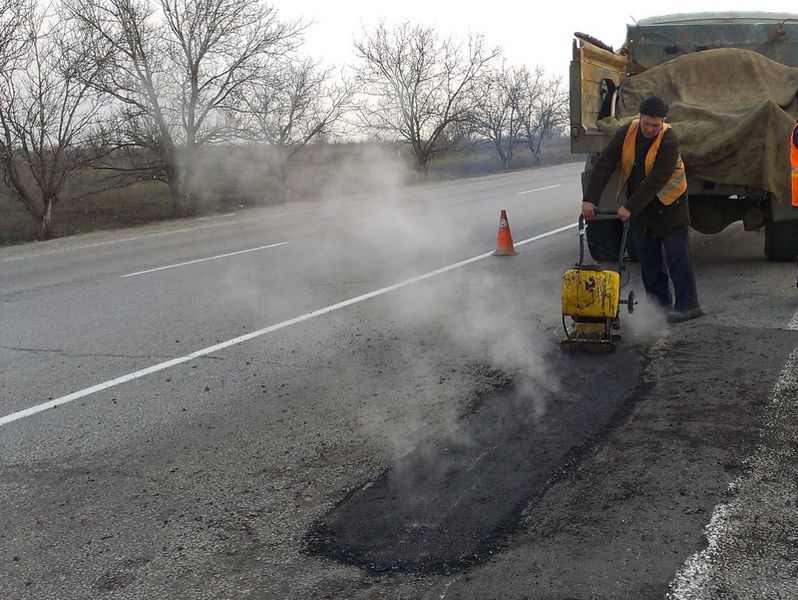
[(139, 89)]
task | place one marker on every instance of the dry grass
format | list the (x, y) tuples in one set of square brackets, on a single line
[(236, 178)]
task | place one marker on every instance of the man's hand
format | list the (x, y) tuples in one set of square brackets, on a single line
[(623, 213), (588, 210)]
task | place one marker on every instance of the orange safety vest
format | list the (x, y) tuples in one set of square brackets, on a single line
[(794, 164), (676, 185)]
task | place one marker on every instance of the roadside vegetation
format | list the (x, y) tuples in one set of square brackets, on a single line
[(119, 112)]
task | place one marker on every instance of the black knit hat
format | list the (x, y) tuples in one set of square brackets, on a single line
[(654, 107)]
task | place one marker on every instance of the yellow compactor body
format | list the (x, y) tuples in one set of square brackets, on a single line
[(591, 298)]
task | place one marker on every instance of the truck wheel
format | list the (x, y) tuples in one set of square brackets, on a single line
[(604, 239), (781, 240)]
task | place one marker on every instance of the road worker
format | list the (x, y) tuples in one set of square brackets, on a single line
[(794, 169), (652, 174)]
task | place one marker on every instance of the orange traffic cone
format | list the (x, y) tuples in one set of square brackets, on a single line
[(504, 241)]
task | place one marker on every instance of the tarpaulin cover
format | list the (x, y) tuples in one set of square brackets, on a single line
[(733, 111)]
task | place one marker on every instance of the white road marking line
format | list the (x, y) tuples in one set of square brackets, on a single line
[(199, 260), (120, 240), (548, 187), (208, 218), (254, 334), (695, 579), (447, 586)]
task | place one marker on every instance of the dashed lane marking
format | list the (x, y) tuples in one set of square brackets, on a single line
[(548, 187), (199, 260), (123, 240)]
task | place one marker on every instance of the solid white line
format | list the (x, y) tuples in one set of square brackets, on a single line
[(254, 334), (727, 526), (208, 218), (539, 237), (548, 187), (693, 580), (199, 260)]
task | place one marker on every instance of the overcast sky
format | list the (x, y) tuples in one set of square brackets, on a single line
[(533, 32)]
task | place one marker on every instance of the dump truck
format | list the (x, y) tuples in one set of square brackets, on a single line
[(730, 80)]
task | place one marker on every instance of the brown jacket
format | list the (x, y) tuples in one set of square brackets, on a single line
[(648, 213)]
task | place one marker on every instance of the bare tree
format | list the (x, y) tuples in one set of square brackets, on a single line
[(543, 108), (14, 34), (297, 104), (14, 38), (418, 86), (46, 113), (178, 68), (495, 112)]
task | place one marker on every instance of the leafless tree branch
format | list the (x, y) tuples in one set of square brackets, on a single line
[(178, 68), (297, 103), (417, 86), (543, 108), (47, 113), (497, 100)]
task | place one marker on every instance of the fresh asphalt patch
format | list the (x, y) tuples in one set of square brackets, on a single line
[(450, 501), (622, 524), (680, 418)]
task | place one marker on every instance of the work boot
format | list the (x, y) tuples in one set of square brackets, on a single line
[(677, 316)]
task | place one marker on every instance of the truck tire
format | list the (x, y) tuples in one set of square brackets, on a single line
[(781, 240), (604, 239)]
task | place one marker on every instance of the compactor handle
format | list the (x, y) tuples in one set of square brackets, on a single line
[(606, 211), (583, 235)]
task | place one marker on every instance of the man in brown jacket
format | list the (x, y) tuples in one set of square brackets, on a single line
[(647, 151)]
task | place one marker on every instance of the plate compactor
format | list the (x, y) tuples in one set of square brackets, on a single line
[(591, 297)]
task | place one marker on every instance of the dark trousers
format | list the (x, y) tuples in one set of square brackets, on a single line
[(680, 267)]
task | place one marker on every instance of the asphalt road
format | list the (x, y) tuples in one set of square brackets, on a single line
[(352, 399)]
